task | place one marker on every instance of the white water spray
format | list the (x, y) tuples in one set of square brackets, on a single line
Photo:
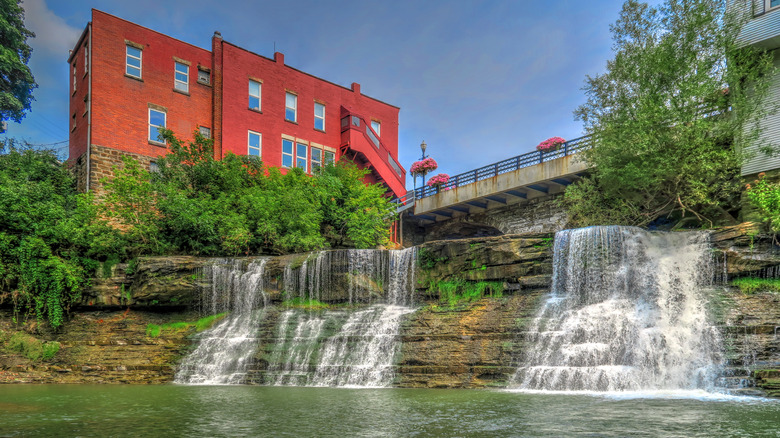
[(225, 350), (627, 312)]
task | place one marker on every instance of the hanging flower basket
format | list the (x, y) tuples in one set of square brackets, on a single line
[(551, 144), (438, 180), (423, 167)]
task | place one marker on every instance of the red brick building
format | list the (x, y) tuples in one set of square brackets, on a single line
[(126, 80)]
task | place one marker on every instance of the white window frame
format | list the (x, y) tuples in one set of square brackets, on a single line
[(204, 131), (74, 77), (139, 58), (316, 117), (376, 125), (249, 146), (768, 6), (293, 108), (328, 161), (304, 157), (178, 84), (316, 163), (259, 95), (165, 123), (291, 154), (86, 58)]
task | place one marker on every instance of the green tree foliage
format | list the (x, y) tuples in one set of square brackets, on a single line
[(16, 80), (765, 196), (51, 238), (198, 205), (669, 117)]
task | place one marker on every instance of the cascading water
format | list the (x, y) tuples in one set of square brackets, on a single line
[(343, 348), (362, 352), (225, 350), (627, 312)]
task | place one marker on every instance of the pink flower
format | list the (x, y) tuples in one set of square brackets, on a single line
[(424, 166), (438, 180), (550, 144)]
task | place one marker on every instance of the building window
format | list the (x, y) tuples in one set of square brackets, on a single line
[(254, 95), (287, 153), (86, 59), (204, 131), (330, 158), (316, 158), (291, 107), (301, 159), (319, 116), (377, 127), (255, 145), (204, 76), (133, 62), (74, 78), (181, 77), (771, 4), (156, 121), (153, 167)]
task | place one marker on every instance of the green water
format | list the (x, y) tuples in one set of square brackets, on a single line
[(169, 411)]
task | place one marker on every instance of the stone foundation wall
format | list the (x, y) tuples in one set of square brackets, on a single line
[(102, 162), (539, 215)]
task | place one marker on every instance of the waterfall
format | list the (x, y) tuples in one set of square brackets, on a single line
[(362, 352), (224, 351), (340, 347), (336, 347), (627, 312)]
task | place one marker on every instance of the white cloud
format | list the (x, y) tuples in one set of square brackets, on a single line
[(52, 34)]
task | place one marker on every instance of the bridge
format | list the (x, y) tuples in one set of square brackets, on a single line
[(515, 180)]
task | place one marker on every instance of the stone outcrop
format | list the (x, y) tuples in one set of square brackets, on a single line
[(472, 344)]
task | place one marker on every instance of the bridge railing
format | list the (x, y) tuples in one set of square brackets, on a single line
[(508, 165)]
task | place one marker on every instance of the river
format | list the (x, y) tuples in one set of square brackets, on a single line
[(217, 411)]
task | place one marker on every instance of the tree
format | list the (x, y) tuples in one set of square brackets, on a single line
[(676, 105), (51, 238), (195, 204), (16, 79)]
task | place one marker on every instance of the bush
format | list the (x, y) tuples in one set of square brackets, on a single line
[(52, 239), (198, 205)]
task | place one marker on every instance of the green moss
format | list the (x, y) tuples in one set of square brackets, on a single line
[(154, 330), (751, 285), (305, 303), (108, 265), (31, 347), (426, 260), (458, 293)]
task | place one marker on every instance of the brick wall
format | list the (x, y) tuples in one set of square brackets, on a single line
[(121, 104)]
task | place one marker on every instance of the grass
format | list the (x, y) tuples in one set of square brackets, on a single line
[(307, 303), (457, 293), (751, 285), (31, 347), (154, 330)]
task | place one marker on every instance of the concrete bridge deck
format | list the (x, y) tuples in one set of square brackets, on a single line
[(516, 180)]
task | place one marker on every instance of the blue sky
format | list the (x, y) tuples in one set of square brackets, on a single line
[(479, 81)]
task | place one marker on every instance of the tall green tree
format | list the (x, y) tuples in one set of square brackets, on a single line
[(676, 105), (16, 79)]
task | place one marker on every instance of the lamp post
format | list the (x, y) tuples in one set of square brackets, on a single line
[(423, 146)]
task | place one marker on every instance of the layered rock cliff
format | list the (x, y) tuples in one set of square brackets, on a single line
[(463, 342)]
